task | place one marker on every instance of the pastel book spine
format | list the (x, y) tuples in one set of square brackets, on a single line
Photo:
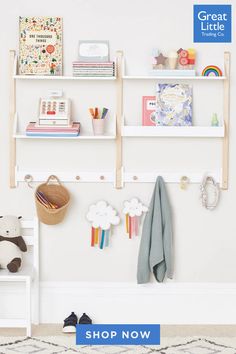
[(33, 127), (52, 134)]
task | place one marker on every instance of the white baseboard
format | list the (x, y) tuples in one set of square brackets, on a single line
[(169, 303)]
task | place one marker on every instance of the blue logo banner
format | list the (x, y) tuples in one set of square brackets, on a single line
[(212, 23), (118, 334)]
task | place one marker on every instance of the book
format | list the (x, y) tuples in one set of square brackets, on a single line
[(51, 135), (148, 110), (32, 126), (33, 129), (40, 51), (94, 63), (174, 105), (59, 135), (93, 69)]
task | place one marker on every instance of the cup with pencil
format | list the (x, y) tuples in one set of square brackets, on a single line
[(98, 120)]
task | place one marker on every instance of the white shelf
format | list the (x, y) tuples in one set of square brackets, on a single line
[(206, 78), (80, 137), (193, 131), (38, 77), (126, 77)]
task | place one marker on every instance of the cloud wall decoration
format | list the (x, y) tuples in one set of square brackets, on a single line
[(133, 210), (102, 216)]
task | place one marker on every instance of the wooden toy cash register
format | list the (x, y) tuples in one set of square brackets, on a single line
[(55, 111)]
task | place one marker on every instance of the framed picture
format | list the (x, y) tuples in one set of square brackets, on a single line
[(94, 51)]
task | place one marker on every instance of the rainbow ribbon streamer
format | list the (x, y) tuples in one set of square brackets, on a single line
[(132, 225), (100, 237)]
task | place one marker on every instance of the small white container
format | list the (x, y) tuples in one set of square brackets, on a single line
[(172, 63), (98, 126)]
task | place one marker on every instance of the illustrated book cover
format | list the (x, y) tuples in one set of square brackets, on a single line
[(148, 110), (174, 105), (40, 47)]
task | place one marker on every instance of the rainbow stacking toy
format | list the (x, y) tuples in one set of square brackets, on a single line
[(211, 70)]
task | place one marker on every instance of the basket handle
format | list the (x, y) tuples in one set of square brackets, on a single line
[(53, 178)]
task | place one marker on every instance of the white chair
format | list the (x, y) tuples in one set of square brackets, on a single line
[(28, 274)]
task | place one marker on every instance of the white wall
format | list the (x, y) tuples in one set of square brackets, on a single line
[(204, 241), (176, 303)]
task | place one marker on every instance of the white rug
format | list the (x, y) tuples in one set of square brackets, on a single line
[(66, 344)]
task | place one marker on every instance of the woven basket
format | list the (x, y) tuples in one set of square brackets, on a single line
[(56, 194)]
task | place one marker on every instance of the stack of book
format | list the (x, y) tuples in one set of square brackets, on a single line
[(98, 69), (33, 129)]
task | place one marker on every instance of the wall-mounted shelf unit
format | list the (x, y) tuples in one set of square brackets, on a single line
[(122, 131), (222, 132), (16, 135)]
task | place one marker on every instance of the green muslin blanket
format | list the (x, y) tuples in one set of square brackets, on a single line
[(155, 252)]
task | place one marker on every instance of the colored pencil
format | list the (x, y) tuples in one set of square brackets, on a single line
[(104, 112)]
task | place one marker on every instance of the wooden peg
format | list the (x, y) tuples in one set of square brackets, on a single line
[(184, 180), (135, 178), (29, 179), (102, 178), (77, 178)]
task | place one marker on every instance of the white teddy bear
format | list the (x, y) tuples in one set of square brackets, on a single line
[(11, 243)]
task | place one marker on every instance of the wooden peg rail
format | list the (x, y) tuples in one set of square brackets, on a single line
[(119, 177), (110, 177), (73, 176)]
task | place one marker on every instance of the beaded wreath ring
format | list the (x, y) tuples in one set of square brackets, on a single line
[(208, 184)]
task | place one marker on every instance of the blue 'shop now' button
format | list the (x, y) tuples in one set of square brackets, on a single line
[(118, 334)]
